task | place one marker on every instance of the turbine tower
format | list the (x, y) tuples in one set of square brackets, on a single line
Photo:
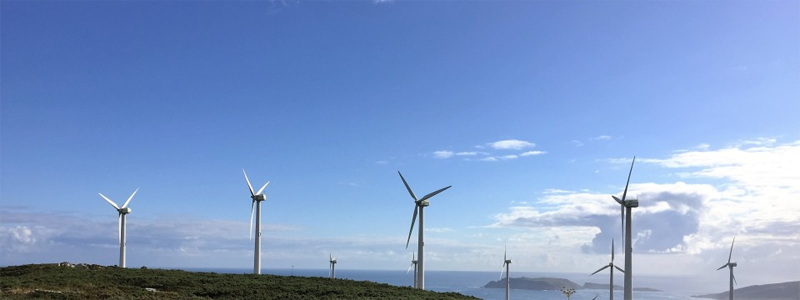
[(730, 266), (256, 203), (419, 205), (506, 264), (121, 227), (625, 206), (332, 270), (610, 265), (413, 265)]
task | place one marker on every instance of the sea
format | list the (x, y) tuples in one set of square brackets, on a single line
[(472, 282)]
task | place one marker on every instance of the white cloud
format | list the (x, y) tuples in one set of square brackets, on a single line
[(577, 143), (443, 154), (511, 145), (508, 157), (488, 158), (531, 153), (601, 138), (439, 229), (466, 153)]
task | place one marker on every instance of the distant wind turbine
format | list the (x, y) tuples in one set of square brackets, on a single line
[(625, 206), (610, 265), (413, 265), (506, 264), (332, 271), (121, 227), (257, 199), (730, 266), (419, 205)]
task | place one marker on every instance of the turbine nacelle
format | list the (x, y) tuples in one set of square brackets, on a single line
[(632, 203), (733, 264), (124, 210), (259, 197), (508, 261), (424, 203)]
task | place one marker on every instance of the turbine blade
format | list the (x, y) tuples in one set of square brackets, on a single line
[(502, 270), (407, 187), (731, 254), (262, 188), (720, 268), (620, 269), (109, 201), (252, 205), (505, 248), (595, 272), (413, 219), (124, 205), (612, 251), (434, 193), (734, 277), (629, 180), (248, 183), (617, 199)]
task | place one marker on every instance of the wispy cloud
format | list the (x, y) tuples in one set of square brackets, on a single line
[(601, 138), (577, 143), (443, 154), (511, 145), (531, 153)]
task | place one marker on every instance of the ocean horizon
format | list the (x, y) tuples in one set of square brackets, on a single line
[(472, 282)]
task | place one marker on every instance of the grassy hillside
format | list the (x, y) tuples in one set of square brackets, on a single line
[(50, 281)]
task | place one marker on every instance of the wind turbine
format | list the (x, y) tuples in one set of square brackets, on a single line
[(257, 199), (413, 265), (610, 265), (506, 264), (332, 270), (730, 266), (419, 205), (121, 228), (625, 206)]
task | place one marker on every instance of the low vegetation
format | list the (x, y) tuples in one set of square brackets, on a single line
[(52, 281)]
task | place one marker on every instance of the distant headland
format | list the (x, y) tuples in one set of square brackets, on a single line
[(551, 283)]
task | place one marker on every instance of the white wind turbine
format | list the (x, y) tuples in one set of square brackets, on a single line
[(625, 206), (610, 265), (332, 269), (121, 227), (506, 264), (257, 199), (419, 205), (730, 266), (413, 265)]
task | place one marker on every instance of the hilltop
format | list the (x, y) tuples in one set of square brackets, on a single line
[(776, 291), (85, 281)]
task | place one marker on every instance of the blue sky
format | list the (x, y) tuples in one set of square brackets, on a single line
[(531, 110)]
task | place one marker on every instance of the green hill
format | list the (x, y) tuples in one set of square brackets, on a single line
[(776, 291), (51, 281)]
